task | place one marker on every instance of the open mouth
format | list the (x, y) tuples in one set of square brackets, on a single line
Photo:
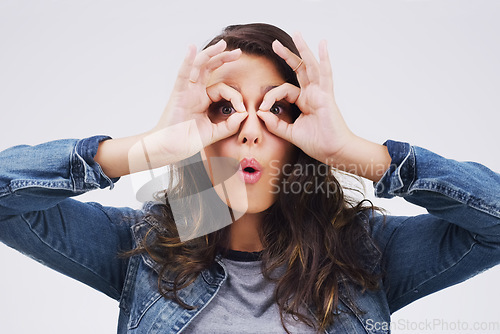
[(250, 170)]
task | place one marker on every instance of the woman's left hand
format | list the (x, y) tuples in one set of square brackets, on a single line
[(320, 131)]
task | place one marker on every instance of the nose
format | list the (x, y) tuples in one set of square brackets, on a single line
[(251, 129)]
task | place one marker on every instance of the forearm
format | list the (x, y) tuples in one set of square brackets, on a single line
[(461, 234), (153, 149), (363, 158), (113, 155)]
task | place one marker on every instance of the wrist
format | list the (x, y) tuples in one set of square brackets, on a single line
[(113, 155), (362, 157)]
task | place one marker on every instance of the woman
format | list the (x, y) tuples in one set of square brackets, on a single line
[(298, 256)]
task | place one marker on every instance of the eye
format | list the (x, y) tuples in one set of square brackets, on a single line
[(226, 109), (220, 111), (276, 109), (280, 108), (285, 111), (221, 108)]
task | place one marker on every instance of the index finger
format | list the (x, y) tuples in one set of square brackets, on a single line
[(204, 57), (185, 69), (312, 65), (294, 61)]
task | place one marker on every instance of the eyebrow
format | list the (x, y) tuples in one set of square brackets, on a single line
[(264, 91), (268, 88)]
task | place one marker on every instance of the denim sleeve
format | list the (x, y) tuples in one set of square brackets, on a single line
[(39, 219), (459, 238)]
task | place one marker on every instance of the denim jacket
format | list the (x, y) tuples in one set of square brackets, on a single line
[(459, 238)]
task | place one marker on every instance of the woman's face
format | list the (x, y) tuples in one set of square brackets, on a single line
[(260, 154)]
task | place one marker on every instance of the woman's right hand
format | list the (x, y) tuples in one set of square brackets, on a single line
[(184, 127), (190, 99)]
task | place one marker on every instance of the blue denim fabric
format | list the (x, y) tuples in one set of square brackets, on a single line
[(459, 238)]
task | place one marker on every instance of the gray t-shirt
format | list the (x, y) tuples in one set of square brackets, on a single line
[(245, 303)]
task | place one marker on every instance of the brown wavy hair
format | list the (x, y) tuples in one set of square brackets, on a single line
[(319, 236)]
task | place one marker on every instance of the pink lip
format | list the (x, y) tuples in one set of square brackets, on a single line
[(250, 177)]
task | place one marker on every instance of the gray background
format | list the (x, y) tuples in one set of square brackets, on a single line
[(426, 72)]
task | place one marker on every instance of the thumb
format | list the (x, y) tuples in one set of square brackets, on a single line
[(276, 126), (229, 127)]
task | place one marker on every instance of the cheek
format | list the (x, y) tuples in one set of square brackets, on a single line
[(221, 148), (212, 151), (286, 152), (284, 157), (218, 163), (222, 171)]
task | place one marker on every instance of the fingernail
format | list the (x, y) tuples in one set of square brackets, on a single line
[(242, 106), (242, 115), (236, 52), (278, 43)]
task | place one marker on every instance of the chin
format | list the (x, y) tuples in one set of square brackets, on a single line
[(253, 208), (242, 202)]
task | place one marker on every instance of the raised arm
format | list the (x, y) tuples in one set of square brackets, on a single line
[(420, 255), (38, 217), (457, 240), (184, 128), (320, 130), (83, 240)]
